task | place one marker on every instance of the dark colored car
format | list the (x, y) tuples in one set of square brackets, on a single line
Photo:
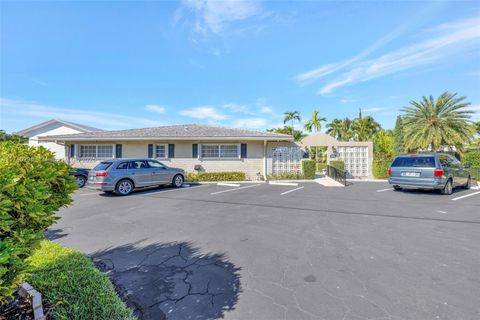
[(122, 176), (439, 171), (81, 176)]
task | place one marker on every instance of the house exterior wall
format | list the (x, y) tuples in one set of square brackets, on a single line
[(252, 165), (53, 129)]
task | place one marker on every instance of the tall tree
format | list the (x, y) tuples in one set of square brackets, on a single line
[(365, 127), (315, 122), (291, 116), (340, 129), (383, 143), (432, 123), (399, 142), (11, 137), (297, 134)]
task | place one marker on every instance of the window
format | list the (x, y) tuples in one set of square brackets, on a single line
[(139, 164), (220, 151), (414, 162), (123, 165), (96, 151), (160, 151), (102, 166), (155, 164)]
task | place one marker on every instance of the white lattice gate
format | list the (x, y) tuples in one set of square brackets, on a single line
[(287, 160), (356, 160)]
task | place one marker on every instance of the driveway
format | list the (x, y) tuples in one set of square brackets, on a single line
[(259, 251)]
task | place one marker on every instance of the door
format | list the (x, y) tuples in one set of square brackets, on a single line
[(460, 172), (141, 173), (160, 173)]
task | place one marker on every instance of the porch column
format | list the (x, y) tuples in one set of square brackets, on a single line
[(265, 159)]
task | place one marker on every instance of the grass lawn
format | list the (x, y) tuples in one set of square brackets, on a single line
[(73, 286)]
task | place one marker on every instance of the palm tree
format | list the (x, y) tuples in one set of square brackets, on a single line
[(314, 122), (340, 129), (365, 127), (430, 123), (291, 116)]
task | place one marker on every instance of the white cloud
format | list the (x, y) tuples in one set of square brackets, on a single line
[(155, 108), (447, 39), (19, 109), (266, 109), (375, 109), (345, 100), (253, 123), (237, 108), (214, 15), (203, 113), (262, 106)]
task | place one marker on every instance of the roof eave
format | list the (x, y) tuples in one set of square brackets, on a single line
[(54, 138)]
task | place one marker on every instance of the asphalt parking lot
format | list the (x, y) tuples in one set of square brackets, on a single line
[(259, 251)]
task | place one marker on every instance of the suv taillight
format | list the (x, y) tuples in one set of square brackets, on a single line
[(438, 172), (101, 174), (389, 171)]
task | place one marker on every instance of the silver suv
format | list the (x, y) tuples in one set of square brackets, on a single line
[(438, 171), (122, 176)]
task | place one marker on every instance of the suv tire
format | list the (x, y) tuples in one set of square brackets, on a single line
[(397, 188), (81, 181), (468, 185), (448, 189), (124, 187)]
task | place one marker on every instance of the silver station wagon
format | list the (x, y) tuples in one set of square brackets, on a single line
[(122, 176), (438, 171)]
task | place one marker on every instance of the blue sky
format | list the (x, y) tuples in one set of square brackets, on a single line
[(118, 65)]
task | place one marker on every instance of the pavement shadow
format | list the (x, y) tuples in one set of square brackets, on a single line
[(54, 234), (172, 281)]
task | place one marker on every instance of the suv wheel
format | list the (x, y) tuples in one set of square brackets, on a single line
[(124, 187), (468, 184), (177, 181), (448, 189), (80, 181), (397, 188)]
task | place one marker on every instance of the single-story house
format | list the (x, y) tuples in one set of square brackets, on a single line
[(190, 147), (357, 155), (53, 127)]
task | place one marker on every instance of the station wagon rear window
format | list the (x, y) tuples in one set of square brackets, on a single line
[(102, 166), (414, 162)]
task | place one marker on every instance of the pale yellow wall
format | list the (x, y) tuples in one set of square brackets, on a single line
[(252, 165)]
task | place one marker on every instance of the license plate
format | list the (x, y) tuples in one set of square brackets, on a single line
[(410, 174)]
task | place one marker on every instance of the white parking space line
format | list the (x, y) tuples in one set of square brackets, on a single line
[(467, 195), (383, 190), (239, 188), (299, 188), (228, 184), (184, 187), (88, 194), (293, 184)]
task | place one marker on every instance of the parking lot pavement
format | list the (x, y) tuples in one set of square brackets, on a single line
[(259, 251)]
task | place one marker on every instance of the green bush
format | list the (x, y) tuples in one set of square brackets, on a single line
[(472, 158), (339, 164), (33, 186), (380, 168), (321, 166), (216, 176), (70, 283), (308, 169)]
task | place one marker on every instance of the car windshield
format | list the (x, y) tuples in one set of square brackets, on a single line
[(102, 166), (414, 162)]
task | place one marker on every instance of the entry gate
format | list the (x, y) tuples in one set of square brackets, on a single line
[(287, 160)]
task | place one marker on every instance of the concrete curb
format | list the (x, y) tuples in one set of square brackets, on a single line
[(26, 291)]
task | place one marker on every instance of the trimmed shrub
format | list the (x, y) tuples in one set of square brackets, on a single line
[(380, 168), (339, 164), (72, 286), (286, 176), (33, 186), (308, 169), (216, 176), (472, 158), (321, 166)]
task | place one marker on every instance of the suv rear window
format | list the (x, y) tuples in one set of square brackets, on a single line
[(414, 162), (102, 166)]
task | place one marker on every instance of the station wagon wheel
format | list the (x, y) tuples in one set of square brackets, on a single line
[(80, 181), (448, 189), (178, 181), (124, 187)]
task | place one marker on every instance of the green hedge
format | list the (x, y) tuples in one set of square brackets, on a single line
[(321, 166), (33, 186), (472, 158), (474, 172), (286, 176), (339, 164), (72, 286), (380, 168), (308, 169), (216, 176)]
